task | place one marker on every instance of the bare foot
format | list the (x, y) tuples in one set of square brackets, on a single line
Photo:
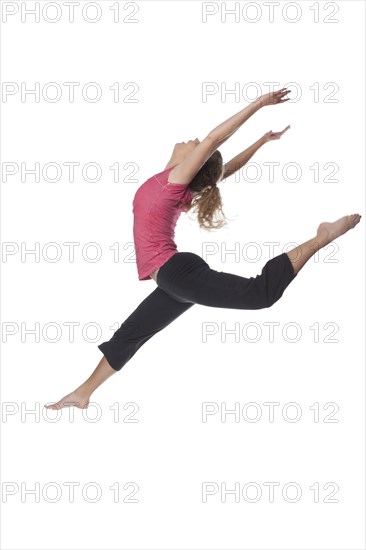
[(329, 231), (73, 399)]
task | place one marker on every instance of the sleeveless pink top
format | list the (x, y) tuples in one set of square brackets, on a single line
[(157, 206)]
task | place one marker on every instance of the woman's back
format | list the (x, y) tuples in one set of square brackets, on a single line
[(157, 205)]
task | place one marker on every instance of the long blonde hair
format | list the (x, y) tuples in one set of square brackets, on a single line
[(206, 200)]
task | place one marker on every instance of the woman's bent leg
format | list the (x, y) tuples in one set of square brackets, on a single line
[(188, 276)]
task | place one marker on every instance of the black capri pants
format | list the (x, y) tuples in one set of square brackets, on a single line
[(184, 280)]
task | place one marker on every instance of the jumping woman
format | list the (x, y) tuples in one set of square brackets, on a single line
[(189, 181)]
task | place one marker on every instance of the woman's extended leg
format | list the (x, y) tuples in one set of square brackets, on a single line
[(154, 313), (186, 275)]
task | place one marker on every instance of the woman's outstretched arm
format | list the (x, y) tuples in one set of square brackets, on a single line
[(242, 158), (186, 170), (225, 130)]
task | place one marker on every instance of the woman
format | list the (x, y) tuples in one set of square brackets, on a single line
[(183, 279)]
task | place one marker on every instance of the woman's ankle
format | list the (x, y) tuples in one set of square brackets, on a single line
[(84, 391)]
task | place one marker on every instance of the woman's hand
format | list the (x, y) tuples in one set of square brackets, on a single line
[(272, 98), (269, 136)]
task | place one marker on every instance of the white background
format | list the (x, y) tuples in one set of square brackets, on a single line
[(170, 53)]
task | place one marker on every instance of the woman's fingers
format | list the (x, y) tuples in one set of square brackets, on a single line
[(272, 98), (276, 135), (279, 134), (282, 95)]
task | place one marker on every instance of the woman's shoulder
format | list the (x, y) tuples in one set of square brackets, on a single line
[(167, 170)]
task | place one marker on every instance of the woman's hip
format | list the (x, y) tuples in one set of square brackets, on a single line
[(180, 265)]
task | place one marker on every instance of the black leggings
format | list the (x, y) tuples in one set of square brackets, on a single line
[(184, 280)]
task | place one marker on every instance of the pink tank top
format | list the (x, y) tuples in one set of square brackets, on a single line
[(157, 206)]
